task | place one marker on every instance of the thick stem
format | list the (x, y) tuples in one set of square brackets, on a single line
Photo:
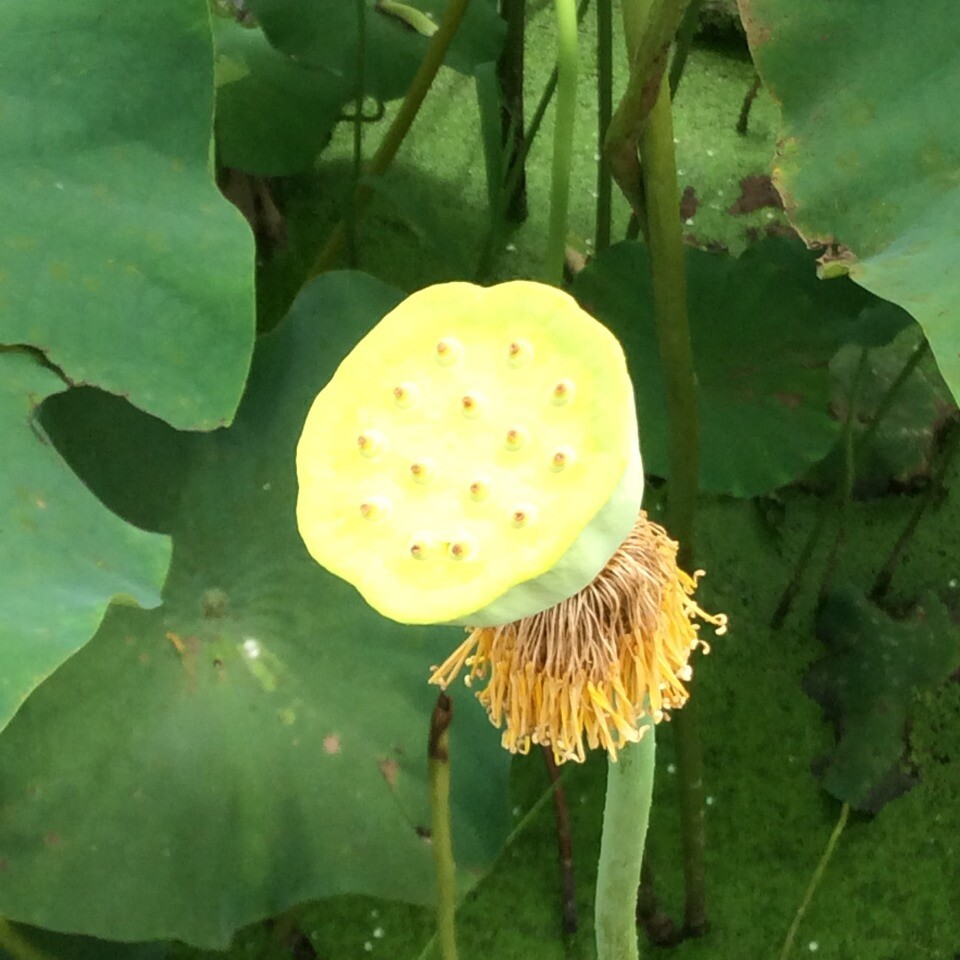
[(381, 160), (568, 886), (510, 72), (438, 760), (626, 814), (662, 198), (681, 50), (604, 113), (667, 263), (566, 113)]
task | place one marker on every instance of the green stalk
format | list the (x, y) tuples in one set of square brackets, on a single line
[(829, 506), (662, 199), (350, 217), (394, 137), (438, 761), (681, 50), (936, 484), (16, 946), (604, 114), (510, 72), (818, 873), (489, 251), (567, 67), (626, 814)]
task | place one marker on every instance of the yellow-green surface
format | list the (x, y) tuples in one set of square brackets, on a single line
[(474, 458)]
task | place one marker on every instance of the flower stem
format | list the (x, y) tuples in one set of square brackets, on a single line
[(568, 886), (688, 27), (510, 72), (626, 814), (604, 114), (662, 200), (438, 761), (488, 249), (394, 137), (815, 881), (350, 217), (567, 69), (829, 506)]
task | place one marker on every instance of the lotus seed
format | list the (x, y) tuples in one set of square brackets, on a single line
[(522, 515), (519, 353), (371, 443), (416, 551), (479, 490), (562, 392), (516, 438), (449, 350), (405, 395), (376, 508), (461, 550), (561, 459), (472, 405), (422, 471)]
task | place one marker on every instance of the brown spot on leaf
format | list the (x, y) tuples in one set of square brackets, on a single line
[(4, 866), (331, 743), (789, 400), (756, 192), (689, 203), (389, 768), (52, 839)]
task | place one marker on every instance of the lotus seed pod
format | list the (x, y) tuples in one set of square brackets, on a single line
[(475, 458)]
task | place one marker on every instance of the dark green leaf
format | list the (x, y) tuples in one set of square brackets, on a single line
[(324, 32), (867, 685), (274, 114), (120, 260), (258, 741), (869, 147), (62, 554), (763, 330)]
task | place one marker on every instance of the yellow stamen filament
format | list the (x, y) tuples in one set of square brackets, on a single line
[(583, 674)]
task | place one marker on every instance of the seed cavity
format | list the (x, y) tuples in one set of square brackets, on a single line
[(375, 508), (523, 515), (519, 353), (449, 350), (422, 471), (561, 459), (562, 392), (472, 404), (515, 439), (405, 395), (480, 489), (462, 549), (371, 443)]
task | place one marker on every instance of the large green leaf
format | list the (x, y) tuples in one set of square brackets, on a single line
[(325, 32), (260, 739), (868, 684), (274, 113), (120, 260), (763, 330), (869, 153), (62, 554)]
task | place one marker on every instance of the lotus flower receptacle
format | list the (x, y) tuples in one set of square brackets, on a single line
[(475, 458)]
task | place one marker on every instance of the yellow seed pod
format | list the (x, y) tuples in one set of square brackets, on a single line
[(475, 458)]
